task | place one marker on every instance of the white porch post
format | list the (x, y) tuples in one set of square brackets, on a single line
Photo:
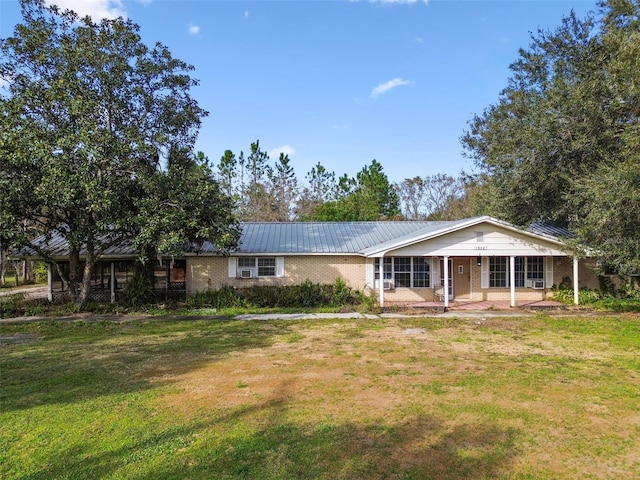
[(381, 282), (446, 282), (576, 292), (512, 279), (50, 282), (113, 282)]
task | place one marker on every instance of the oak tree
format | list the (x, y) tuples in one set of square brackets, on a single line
[(87, 122)]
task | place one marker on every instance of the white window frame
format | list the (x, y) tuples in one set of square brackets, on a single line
[(522, 274), (276, 264), (390, 271)]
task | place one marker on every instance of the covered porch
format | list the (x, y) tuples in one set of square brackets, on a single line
[(475, 283), (111, 277)]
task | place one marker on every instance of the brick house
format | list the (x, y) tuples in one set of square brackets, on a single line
[(478, 258)]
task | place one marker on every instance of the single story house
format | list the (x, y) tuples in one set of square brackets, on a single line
[(401, 262)]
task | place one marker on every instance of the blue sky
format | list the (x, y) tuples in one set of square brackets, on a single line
[(339, 82)]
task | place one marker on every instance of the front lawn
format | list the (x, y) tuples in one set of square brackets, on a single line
[(529, 398)]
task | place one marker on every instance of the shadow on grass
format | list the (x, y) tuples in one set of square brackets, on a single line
[(75, 361), (421, 447), (268, 439)]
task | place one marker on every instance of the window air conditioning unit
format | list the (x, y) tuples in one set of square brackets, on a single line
[(246, 273), (537, 284), (388, 285)]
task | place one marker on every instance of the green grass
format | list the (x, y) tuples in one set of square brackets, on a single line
[(538, 398)]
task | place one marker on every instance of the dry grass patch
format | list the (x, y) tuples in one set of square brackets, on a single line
[(376, 399)]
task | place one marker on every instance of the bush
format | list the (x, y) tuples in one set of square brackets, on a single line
[(11, 305), (225, 297), (40, 272), (305, 295)]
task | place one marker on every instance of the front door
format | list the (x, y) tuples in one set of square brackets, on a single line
[(461, 275)]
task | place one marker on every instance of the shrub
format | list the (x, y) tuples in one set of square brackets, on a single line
[(11, 305), (40, 272), (225, 297), (304, 295)]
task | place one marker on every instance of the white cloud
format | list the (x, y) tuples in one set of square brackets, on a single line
[(96, 9), (246, 14), (385, 87), (286, 149), (193, 29)]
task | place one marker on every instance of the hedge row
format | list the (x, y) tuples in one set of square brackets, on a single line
[(306, 294)]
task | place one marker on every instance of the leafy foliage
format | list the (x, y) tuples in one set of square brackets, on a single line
[(367, 197), (561, 144), (90, 115), (305, 295)]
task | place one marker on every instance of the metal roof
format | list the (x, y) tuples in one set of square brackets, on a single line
[(56, 246), (302, 238), (549, 229), (320, 237)]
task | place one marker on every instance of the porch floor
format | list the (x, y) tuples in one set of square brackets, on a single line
[(487, 305)]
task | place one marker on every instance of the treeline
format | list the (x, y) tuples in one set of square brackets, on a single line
[(263, 190)]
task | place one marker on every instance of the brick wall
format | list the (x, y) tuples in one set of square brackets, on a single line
[(208, 272)]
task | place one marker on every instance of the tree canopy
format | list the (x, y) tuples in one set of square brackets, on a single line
[(88, 123), (561, 143)]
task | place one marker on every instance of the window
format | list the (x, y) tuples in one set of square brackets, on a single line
[(266, 266), (520, 271), (420, 272), (535, 268), (244, 262), (406, 272), (402, 271), (498, 272), (526, 268), (388, 262)]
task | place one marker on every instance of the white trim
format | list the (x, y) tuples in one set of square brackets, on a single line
[(381, 290), (548, 271), (369, 274), (232, 270), (512, 279), (412, 239), (576, 288), (279, 267), (446, 281), (484, 273)]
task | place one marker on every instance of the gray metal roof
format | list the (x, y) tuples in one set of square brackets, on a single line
[(549, 229), (301, 238), (56, 246), (321, 237)]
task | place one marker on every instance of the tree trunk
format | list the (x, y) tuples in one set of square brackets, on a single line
[(74, 273), (27, 272), (87, 273)]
